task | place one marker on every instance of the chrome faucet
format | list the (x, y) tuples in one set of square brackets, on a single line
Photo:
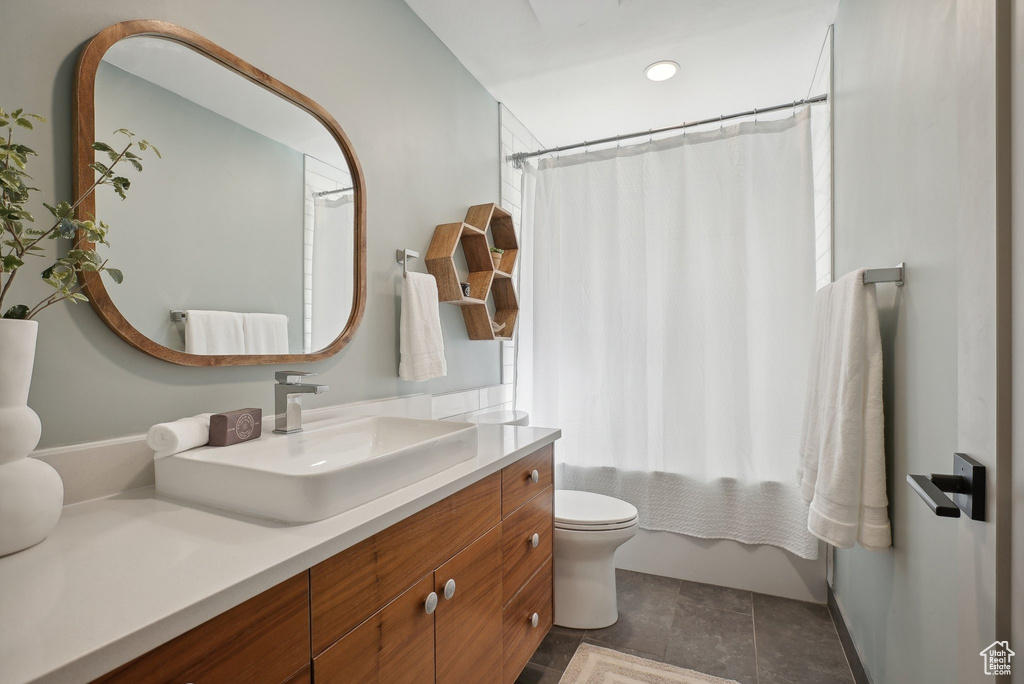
[(287, 404)]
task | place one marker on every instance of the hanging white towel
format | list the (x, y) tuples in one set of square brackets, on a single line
[(842, 471), (179, 435), (265, 333), (421, 344), (213, 332)]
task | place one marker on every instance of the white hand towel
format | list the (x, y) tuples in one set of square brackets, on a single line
[(213, 332), (842, 455), (421, 344), (265, 333), (179, 435)]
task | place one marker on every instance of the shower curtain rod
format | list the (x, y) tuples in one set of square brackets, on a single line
[(518, 158), (332, 192)]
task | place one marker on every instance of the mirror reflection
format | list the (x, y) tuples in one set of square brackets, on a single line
[(241, 240)]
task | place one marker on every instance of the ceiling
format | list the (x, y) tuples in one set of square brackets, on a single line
[(189, 74), (572, 70)]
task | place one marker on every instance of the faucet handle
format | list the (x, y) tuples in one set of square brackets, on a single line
[(291, 377)]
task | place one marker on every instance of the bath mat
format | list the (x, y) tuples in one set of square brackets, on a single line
[(595, 665)]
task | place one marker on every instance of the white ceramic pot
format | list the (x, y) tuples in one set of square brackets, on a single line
[(31, 492)]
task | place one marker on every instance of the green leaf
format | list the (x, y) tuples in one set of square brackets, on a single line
[(24, 123), (19, 312), (102, 147), (115, 275), (47, 272), (143, 144), (78, 297), (11, 262)]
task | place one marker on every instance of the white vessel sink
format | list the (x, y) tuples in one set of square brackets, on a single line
[(325, 470)]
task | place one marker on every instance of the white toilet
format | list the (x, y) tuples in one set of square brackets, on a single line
[(588, 529)]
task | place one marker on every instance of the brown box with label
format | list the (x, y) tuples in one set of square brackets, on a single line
[(235, 426)]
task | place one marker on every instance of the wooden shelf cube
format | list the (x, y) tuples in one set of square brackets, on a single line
[(484, 279)]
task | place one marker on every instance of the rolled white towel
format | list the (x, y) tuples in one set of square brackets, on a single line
[(179, 435)]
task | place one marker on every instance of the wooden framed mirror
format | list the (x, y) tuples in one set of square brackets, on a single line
[(254, 218)]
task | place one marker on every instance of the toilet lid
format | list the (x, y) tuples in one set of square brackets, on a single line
[(584, 509)]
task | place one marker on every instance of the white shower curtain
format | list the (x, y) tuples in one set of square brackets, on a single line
[(331, 291), (667, 293)]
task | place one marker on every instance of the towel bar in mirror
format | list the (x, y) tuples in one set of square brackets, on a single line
[(257, 205)]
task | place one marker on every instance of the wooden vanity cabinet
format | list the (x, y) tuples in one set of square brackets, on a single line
[(459, 592), (265, 639)]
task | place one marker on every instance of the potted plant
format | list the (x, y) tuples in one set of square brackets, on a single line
[(496, 256), (31, 492)]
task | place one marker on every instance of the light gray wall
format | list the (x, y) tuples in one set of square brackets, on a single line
[(241, 239), (424, 129), (896, 186)]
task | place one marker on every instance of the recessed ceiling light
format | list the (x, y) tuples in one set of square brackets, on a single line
[(661, 71)]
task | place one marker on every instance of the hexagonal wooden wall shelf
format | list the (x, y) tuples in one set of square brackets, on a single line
[(483, 278)]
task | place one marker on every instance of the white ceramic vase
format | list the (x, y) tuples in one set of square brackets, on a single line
[(31, 492)]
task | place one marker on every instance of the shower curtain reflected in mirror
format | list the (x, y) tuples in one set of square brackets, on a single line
[(330, 294), (667, 293)]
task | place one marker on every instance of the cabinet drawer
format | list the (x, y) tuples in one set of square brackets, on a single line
[(517, 485), (521, 637), (519, 557), (395, 645), (349, 587), (264, 640)]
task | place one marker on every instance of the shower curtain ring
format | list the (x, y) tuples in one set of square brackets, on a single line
[(755, 116), (721, 120), (650, 136)]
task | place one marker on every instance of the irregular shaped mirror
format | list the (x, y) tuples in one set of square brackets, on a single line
[(245, 242)]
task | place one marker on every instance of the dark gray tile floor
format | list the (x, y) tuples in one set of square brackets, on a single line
[(752, 638)]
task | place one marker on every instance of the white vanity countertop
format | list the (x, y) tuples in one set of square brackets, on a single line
[(122, 575)]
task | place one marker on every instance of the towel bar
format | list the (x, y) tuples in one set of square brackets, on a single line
[(178, 316), (885, 275), (402, 256)]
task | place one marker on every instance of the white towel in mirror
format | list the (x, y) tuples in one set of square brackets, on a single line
[(265, 333), (213, 332)]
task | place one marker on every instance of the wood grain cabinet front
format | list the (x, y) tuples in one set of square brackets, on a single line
[(262, 641), (526, 542), (349, 587), (393, 646), (525, 479), (468, 625), (527, 619)]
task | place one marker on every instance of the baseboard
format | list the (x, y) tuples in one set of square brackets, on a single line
[(860, 675)]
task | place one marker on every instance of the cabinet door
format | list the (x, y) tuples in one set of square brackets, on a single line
[(395, 645), (468, 637)]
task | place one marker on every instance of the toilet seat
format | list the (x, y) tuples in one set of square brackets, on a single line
[(590, 512)]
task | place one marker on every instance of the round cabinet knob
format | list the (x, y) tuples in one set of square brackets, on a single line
[(449, 589), (534, 620), (431, 603), (535, 476), (535, 540)]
